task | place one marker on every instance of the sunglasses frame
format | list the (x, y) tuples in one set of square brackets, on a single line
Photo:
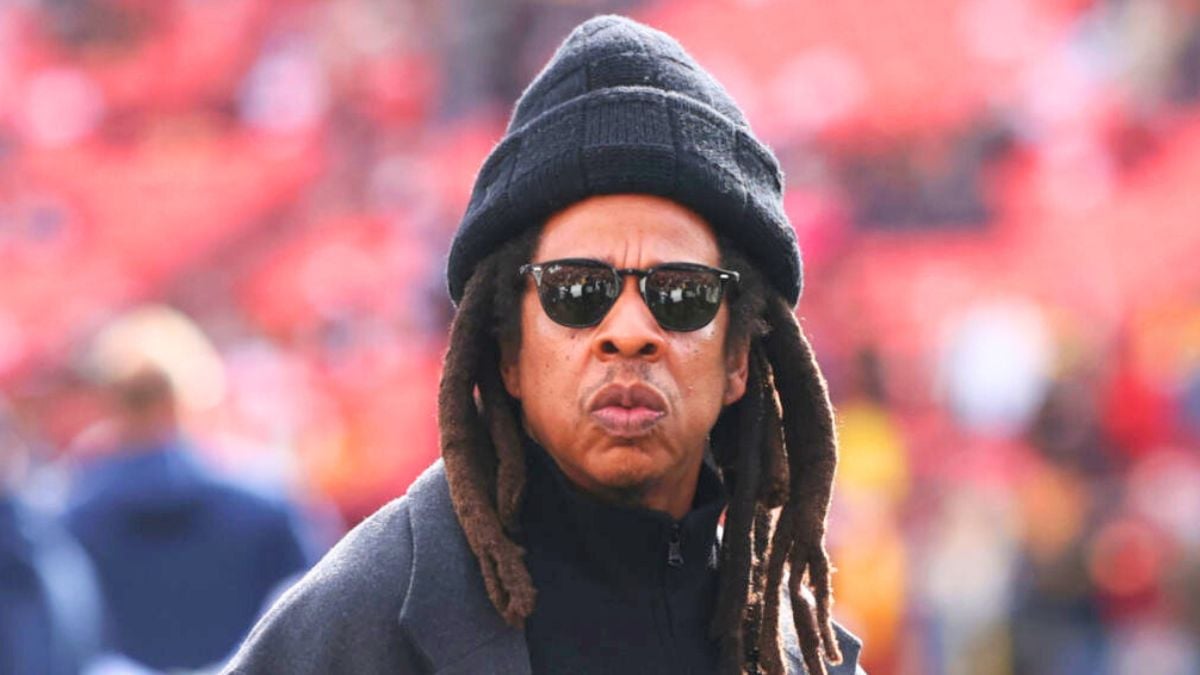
[(724, 277)]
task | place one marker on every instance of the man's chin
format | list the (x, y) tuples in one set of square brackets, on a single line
[(624, 472)]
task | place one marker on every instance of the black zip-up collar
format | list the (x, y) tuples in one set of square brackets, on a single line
[(620, 589), (622, 545)]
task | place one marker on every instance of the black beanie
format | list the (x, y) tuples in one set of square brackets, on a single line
[(622, 108)]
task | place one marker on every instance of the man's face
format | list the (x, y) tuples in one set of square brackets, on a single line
[(674, 383)]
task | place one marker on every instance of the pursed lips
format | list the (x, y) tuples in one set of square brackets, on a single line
[(627, 410)]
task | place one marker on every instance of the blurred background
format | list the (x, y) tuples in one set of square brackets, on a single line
[(223, 226)]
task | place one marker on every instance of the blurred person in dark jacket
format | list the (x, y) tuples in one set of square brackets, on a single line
[(50, 610), (625, 368), (185, 559)]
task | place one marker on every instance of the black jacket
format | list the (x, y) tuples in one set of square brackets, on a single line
[(402, 593)]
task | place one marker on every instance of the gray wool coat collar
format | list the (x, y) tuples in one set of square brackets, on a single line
[(448, 615), (450, 619)]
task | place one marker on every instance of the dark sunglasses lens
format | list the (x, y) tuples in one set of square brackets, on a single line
[(577, 295), (683, 299)]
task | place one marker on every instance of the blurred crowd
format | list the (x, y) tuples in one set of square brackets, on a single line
[(223, 226)]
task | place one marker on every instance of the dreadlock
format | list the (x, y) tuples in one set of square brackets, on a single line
[(776, 451)]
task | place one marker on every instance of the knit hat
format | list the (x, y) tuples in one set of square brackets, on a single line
[(622, 108)]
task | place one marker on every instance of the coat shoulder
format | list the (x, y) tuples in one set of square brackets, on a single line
[(343, 615)]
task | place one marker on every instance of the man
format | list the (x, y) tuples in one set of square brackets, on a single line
[(624, 368), (185, 559)]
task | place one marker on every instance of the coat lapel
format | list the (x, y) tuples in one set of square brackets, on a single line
[(447, 613)]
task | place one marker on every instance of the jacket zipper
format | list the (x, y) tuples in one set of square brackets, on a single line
[(674, 549)]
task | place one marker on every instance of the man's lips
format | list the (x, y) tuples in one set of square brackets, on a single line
[(627, 410), (627, 421)]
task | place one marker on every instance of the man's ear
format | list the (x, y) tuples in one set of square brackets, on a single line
[(737, 370), (510, 371)]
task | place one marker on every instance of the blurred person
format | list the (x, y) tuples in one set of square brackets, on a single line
[(1142, 562), (626, 282), (1056, 619), (1137, 412), (965, 578), (874, 478), (1067, 427), (1189, 403), (185, 558), (874, 459), (50, 609)]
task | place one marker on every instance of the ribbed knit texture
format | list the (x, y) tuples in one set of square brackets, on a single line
[(622, 108)]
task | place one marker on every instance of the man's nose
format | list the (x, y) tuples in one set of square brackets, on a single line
[(629, 329)]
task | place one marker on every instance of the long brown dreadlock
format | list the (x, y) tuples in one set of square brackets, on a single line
[(776, 450)]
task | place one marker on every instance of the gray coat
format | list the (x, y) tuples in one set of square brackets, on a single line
[(402, 593)]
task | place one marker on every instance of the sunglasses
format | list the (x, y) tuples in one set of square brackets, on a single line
[(578, 292)]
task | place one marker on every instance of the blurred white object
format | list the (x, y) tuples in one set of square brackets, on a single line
[(285, 91), (994, 366), (61, 106)]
